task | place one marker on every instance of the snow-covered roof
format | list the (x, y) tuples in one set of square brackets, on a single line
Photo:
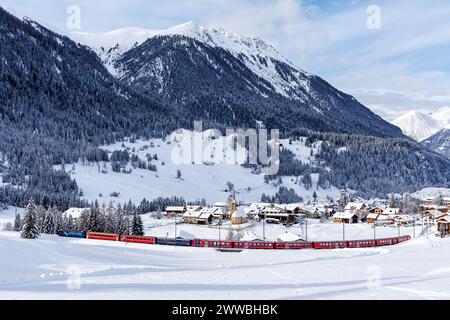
[(391, 211), (384, 217), (75, 212), (434, 213), (445, 219), (372, 216), (405, 217), (194, 208), (221, 204), (175, 209), (272, 210), (344, 215), (288, 237), (355, 206), (192, 214)]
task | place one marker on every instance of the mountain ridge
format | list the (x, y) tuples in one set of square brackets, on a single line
[(270, 80)]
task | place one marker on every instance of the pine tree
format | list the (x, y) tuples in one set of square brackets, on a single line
[(41, 216), (30, 228), (137, 228), (49, 223), (17, 223)]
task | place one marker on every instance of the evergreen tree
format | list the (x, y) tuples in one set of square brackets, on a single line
[(30, 228), (17, 223), (49, 223), (137, 228)]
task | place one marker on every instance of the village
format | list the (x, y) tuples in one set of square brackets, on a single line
[(251, 222)]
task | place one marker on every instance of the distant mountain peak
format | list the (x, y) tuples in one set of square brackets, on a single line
[(420, 126)]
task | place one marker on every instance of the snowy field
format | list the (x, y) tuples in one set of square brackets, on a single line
[(198, 180), (59, 268)]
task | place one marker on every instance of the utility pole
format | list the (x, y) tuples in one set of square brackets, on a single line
[(220, 224), (175, 235), (343, 230), (264, 227), (422, 225), (306, 229), (375, 233)]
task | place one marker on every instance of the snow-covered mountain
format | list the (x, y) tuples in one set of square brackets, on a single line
[(227, 78), (421, 126), (439, 142), (254, 52)]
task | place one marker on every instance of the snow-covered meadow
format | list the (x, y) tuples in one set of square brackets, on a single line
[(60, 268), (198, 181)]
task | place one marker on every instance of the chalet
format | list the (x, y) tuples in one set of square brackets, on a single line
[(428, 202), (203, 217), (432, 215), (224, 208), (446, 201), (392, 212), (404, 219), (372, 217), (385, 219), (175, 211), (443, 209), (356, 207), (277, 213), (443, 225), (347, 217), (375, 210)]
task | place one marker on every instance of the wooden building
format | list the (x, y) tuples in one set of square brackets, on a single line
[(203, 217), (175, 211), (346, 217), (372, 217), (279, 214), (443, 225)]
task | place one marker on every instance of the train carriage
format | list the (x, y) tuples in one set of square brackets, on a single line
[(329, 245), (173, 242), (212, 244), (293, 245), (70, 234), (385, 242), (138, 239), (102, 236), (254, 245), (361, 243)]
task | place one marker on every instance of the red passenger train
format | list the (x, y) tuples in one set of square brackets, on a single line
[(261, 245)]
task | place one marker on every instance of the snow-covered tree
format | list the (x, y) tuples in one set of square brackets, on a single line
[(137, 228), (30, 228), (17, 223), (49, 223)]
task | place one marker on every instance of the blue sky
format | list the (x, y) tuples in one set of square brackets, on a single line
[(401, 67)]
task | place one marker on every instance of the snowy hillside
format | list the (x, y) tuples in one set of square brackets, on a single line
[(421, 126), (206, 178)]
